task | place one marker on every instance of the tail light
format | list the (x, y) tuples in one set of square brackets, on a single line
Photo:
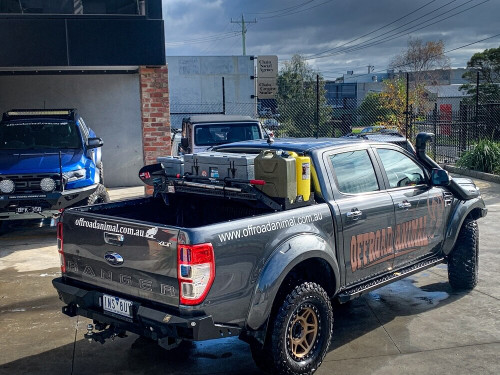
[(60, 246), (196, 272)]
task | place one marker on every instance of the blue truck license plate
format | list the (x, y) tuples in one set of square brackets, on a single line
[(117, 305)]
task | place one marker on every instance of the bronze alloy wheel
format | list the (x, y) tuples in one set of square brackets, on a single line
[(303, 330)]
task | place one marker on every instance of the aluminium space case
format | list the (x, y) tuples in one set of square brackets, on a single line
[(220, 165)]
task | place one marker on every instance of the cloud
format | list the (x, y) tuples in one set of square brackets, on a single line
[(285, 28)]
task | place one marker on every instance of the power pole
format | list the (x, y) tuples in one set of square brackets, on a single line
[(243, 31)]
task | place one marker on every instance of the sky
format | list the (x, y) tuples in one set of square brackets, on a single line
[(334, 35)]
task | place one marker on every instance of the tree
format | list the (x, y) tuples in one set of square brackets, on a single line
[(420, 59), (373, 111), (297, 100), (487, 64), (388, 107)]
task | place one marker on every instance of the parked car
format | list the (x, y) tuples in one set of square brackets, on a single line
[(49, 160), (208, 258), (384, 135), (202, 132)]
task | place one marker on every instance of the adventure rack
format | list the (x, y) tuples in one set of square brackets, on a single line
[(226, 188)]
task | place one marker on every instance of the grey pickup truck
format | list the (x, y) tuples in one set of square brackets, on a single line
[(191, 265)]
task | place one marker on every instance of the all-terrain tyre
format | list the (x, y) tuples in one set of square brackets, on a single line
[(100, 195), (101, 173), (300, 334), (463, 261)]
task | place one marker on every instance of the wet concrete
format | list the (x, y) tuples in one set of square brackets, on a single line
[(415, 326)]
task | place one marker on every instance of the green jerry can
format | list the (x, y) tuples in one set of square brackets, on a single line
[(277, 168)]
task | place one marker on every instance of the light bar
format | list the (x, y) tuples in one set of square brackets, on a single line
[(37, 113)]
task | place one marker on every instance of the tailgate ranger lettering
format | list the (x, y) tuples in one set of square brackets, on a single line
[(143, 284)]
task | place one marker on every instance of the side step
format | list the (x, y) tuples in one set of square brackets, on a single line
[(356, 291)]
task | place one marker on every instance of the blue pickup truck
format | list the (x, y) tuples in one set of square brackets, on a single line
[(49, 160)]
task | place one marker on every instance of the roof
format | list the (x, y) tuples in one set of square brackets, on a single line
[(447, 91), (220, 118), (292, 144)]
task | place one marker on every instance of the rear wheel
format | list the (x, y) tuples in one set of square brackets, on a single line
[(300, 332), (100, 195), (463, 261)]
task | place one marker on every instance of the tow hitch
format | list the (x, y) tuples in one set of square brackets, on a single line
[(104, 333)]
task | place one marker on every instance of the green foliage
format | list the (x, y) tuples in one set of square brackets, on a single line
[(484, 157), (487, 63), (372, 111), (297, 100)]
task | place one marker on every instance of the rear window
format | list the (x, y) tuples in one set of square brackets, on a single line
[(217, 134), (354, 172), (33, 135)]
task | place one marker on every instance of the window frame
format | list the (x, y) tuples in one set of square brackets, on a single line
[(408, 155)]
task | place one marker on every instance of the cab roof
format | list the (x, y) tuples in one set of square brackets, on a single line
[(291, 144), (218, 118)]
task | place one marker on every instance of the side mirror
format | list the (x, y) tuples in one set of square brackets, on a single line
[(94, 143), (184, 143), (440, 177)]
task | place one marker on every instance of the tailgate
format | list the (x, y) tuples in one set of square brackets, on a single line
[(127, 257)]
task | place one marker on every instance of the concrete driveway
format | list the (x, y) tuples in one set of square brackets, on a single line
[(414, 326)]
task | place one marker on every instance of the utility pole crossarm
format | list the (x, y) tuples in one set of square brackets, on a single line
[(243, 31)]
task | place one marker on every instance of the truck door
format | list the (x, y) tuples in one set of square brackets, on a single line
[(367, 214), (419, 207)]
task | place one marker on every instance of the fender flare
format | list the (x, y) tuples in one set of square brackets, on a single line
[(283, 259), (461, 211)]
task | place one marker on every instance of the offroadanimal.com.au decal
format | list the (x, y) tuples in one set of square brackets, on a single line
[(270, 226), (104, 226), (368, 249)]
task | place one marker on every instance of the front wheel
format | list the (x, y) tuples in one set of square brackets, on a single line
[(463, 261), (301, 331), (100, 195)]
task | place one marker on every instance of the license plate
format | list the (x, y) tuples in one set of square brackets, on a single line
[(23, 210), (117, 305)]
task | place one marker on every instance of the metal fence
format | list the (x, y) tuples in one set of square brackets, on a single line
[(305, 109)]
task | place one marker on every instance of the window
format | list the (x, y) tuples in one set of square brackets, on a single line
[(217, 134), (354, 172), (401, 170), (38, 135)]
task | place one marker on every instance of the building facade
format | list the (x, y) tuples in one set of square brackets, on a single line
[(106, 58)]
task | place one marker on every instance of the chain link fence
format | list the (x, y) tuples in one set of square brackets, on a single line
[(309, 109)]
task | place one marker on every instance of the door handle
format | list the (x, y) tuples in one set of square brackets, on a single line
[(114, 239), (354, 214), (404, 205)]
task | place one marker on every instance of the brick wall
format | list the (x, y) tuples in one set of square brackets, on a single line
[(155, 111)]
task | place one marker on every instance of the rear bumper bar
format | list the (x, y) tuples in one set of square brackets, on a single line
[(149, 322)]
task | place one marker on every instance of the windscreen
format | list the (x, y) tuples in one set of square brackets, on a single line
[(217, 134), (34, 135)]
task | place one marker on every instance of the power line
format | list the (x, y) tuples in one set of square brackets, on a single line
[(447, 51), (281, 10), (374, 31), (289, 13), (393, 36)]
